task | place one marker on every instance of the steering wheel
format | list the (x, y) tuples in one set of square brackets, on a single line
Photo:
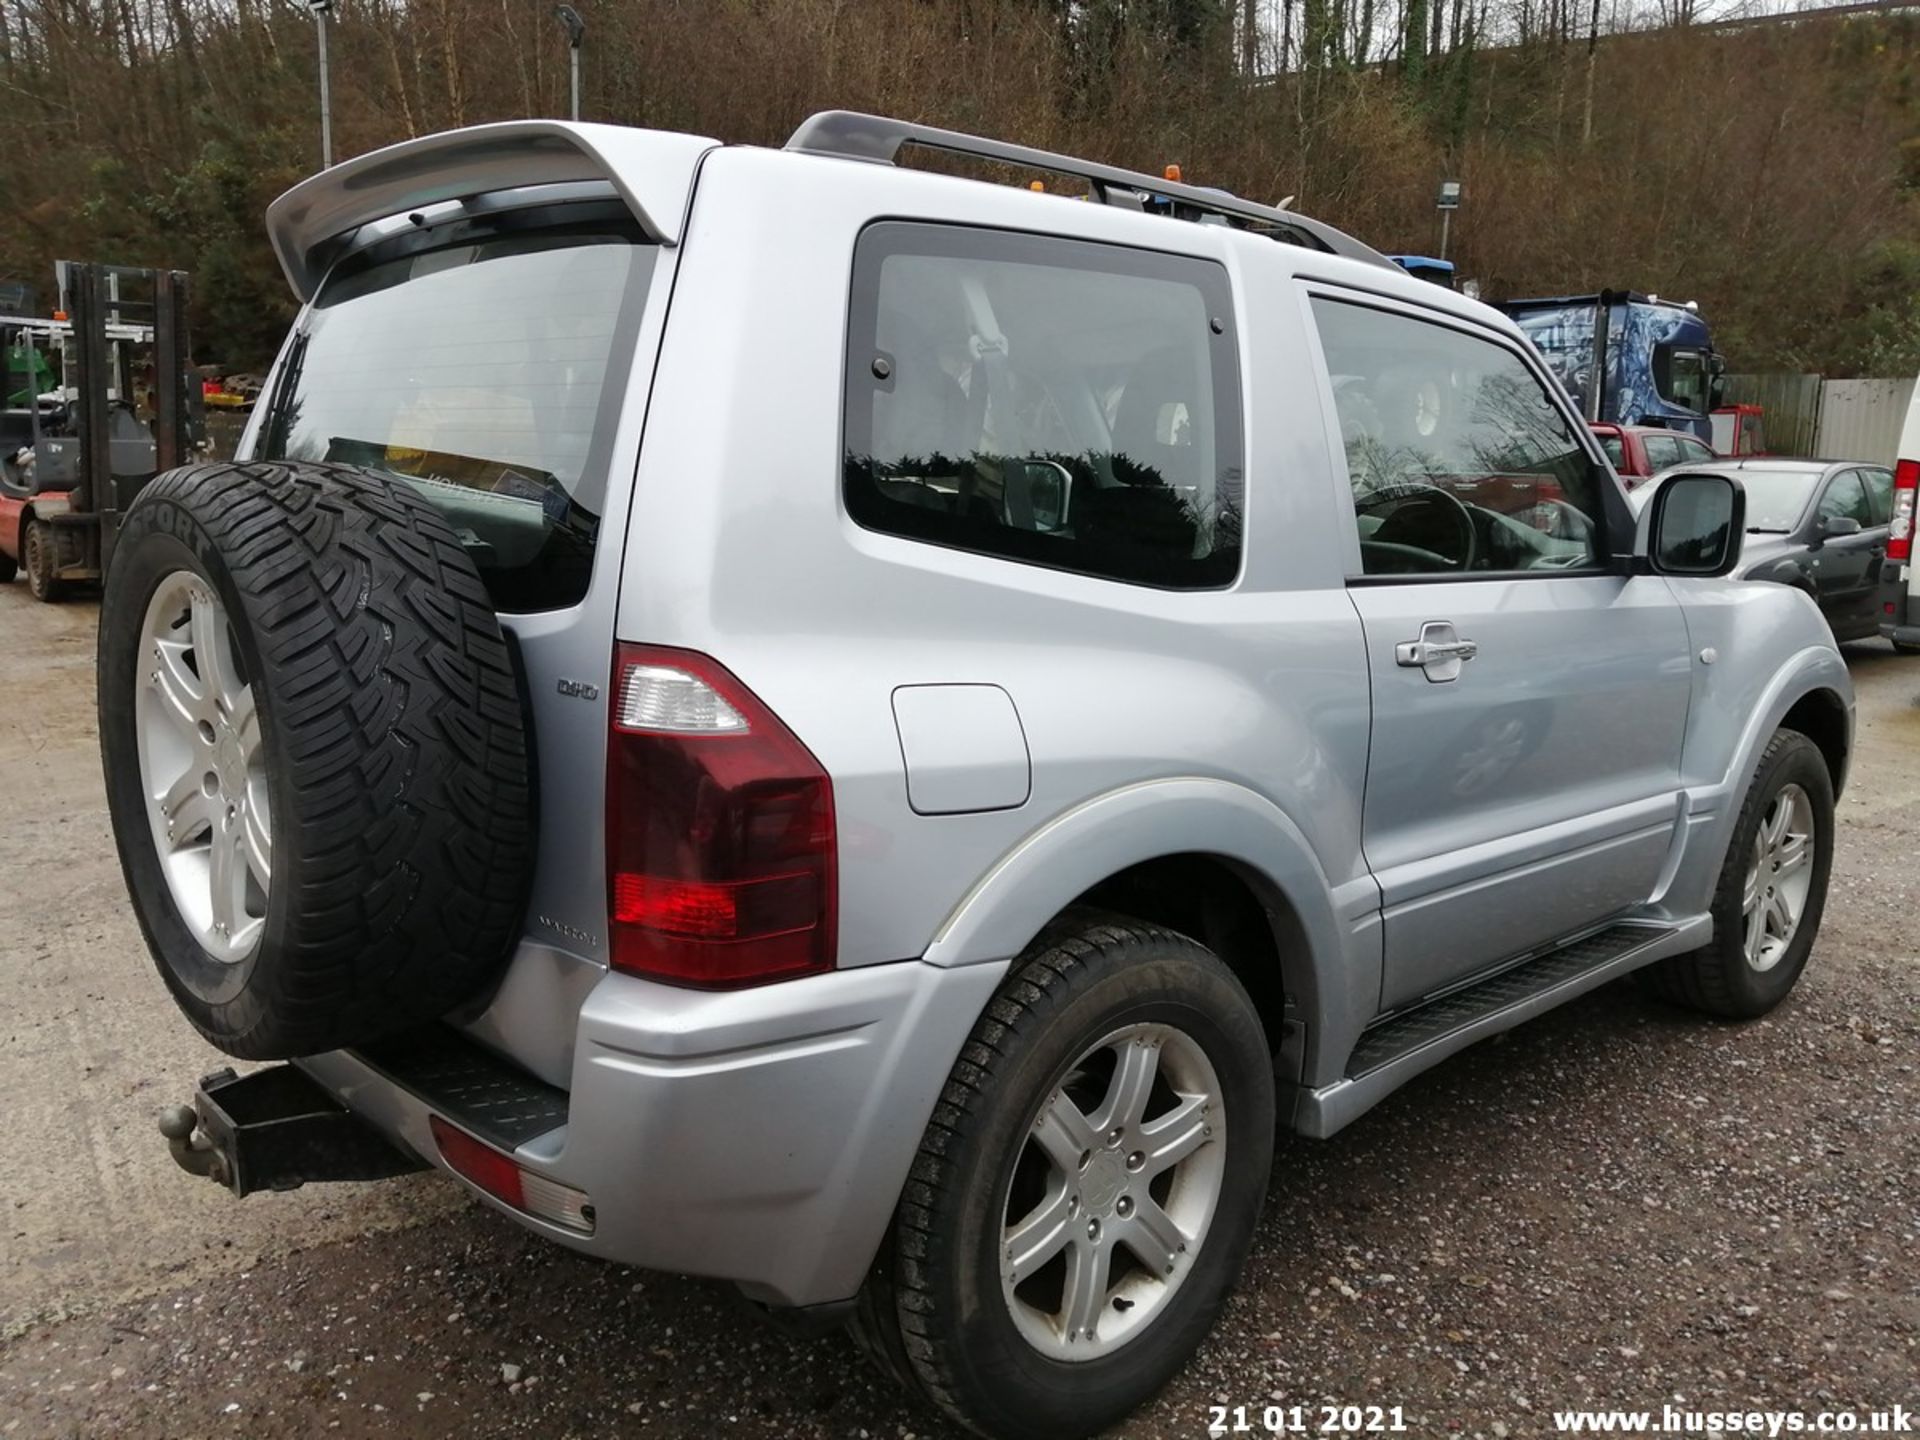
[(1402, 500)]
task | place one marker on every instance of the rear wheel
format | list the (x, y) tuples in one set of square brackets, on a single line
[(1772, 891), (39, 553), (1088, 1188)]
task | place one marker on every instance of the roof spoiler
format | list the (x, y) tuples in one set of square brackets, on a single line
[(651, 170)]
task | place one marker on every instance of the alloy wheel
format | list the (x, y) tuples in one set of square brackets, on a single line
[(202, 768), (1112, 1193), (1779, 878)]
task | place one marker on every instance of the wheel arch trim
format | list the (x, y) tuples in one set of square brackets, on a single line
[(1334, 988)]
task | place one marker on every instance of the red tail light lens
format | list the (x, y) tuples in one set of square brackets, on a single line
[(1906, 484), (720, 831)]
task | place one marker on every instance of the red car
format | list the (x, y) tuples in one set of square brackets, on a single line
[(1638, 451)]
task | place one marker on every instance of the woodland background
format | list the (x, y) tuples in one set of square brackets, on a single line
[(1768, 168)]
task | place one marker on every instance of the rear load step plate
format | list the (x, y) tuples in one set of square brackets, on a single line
[(491, 1099), (1401, 1035)]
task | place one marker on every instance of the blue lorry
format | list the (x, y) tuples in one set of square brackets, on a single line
[(1628, 358)]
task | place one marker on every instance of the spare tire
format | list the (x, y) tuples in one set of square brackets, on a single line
[(316, 754)]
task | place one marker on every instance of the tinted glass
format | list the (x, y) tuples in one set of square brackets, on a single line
[(479, 372), (1616, 449), (1060, 403), (1776, 499), (1692, 452), (1459, 460), (1847, 497)]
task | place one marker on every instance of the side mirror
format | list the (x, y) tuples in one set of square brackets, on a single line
[(1834, 526), (1039, 494), (1693, 525)]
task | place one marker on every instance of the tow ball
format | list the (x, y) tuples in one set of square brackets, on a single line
[(275, 1129), (194, 1155)]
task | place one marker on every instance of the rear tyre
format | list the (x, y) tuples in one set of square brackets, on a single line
[(1087, 1190), (1772, 891), (315, 755), (39, 553)]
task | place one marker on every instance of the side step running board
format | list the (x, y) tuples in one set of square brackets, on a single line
[(1393, 1051), (1407, 1032)]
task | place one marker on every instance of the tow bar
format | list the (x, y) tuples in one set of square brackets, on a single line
[(275, 1129)]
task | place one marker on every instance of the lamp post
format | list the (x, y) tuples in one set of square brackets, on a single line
[(1446, 202), (320, 9), (576, 29)]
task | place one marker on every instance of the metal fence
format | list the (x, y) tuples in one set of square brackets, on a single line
[(1861, 419), (1792, 406), (1838, 419)]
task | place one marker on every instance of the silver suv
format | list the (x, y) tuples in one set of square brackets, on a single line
[(871, 735)]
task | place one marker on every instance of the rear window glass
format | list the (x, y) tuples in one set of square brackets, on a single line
[(487, 373), (1056, 402)]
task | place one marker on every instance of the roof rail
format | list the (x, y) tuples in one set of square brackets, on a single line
[(854, 136)]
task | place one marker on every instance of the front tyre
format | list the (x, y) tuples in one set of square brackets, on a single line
[(1772, 891), (1086, 1193)]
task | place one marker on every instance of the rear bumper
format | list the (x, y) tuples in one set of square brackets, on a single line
[(758, 1136), (1899, 606)]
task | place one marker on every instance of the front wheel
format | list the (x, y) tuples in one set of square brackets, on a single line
[(1086, 1193), (1772, 891)]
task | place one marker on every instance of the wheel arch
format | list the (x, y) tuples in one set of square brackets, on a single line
[(1208, 858), (1822, 716)]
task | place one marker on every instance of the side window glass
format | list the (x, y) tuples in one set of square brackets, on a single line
[(1663, 451), (1692, 452), (1847, 497), (1051, 401), (1459, 460), (1680, 375), (1880, 492), (1616, 449)]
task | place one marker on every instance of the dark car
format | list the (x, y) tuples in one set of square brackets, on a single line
[(1818, 525), (1638, 451)]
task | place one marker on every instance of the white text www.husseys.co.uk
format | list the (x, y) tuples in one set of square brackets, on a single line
[(1673, 1420)]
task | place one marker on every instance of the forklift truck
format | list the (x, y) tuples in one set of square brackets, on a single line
[(73, 455)]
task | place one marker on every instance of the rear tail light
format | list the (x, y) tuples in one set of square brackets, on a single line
[(720, 831), (495, 1172), (1906, 483)]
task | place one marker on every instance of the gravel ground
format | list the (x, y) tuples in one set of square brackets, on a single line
[(1617, 1206)]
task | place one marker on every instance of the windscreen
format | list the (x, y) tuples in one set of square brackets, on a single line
[(1776, 499), (485, 368)]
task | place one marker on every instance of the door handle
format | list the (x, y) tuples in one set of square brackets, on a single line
[(1439, 651)]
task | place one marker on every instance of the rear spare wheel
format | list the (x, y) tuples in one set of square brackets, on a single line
[(316, 758)]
